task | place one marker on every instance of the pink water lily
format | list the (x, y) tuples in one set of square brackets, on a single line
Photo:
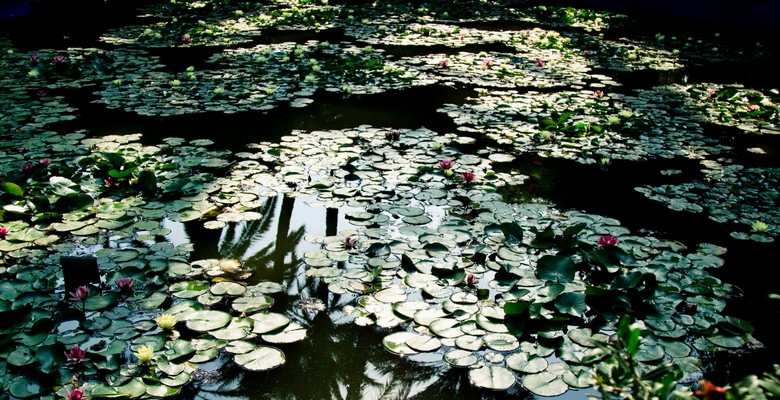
[(752, 107), (45, 162), (58, 58), (80, 294), (471, 279), (598, 93), (186, 39), (586, 52), (444, 63), (608, 241), (350, 242), (75, 354), (110, 182), (41, 92), (26, 166), (540, 63), (76, 394), (125, 283), (487, 62), (3, 232), (35, 59), (467, 177), (446, 164)]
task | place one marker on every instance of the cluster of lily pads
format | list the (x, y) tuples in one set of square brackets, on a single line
[(437, 258), (433, 254), (155, 316)]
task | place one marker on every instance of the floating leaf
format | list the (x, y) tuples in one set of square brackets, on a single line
[(262, 358), (492, 377), (207, 320)]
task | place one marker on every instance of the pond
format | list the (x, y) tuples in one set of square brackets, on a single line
[(307, 199)]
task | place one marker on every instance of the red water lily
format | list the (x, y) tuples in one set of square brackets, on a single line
[(125, 283), (76, 394), (59, 58), (446, 164), (752, 107), (444, 63), (3, 232), (598, 93), (608, 240), (540, 63), (80, 294), (471, 279), (467, 177), (45, 161), (26, 166), (75, 354), (350, 242)]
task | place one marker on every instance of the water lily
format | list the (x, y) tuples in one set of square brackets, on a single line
[(467, 177), (76, 394), (219, 90), (186, 39), (608, 241), (586, 52), (166, 321), (752, 107), (75, 354), (110, 182), (444, 63), (598, 93), (45, 162), (487, 62), (41, 93), (760, 226), (712, 92), (3, 232), (33, 73), (540, 63), (80, 294), (709, 391), (446, 164), (58, 58), (145, 354), (350, 242), (26, 166), (35, 59), (125, 283), (471, 279)]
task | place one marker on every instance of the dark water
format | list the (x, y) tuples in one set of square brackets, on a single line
[(339, 359)]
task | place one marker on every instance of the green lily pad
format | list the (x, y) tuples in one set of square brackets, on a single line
[(189, 289), (268, 322), (293, 332), (545, 384), (523, 362), (262, 358), (460, 358), (207, 320), (252, 304), (492, 377)]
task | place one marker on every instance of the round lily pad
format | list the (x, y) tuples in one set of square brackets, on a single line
[(492, 377), (262, 358), (207, 320)]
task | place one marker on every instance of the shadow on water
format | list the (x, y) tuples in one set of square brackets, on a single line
[(234, 131)]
